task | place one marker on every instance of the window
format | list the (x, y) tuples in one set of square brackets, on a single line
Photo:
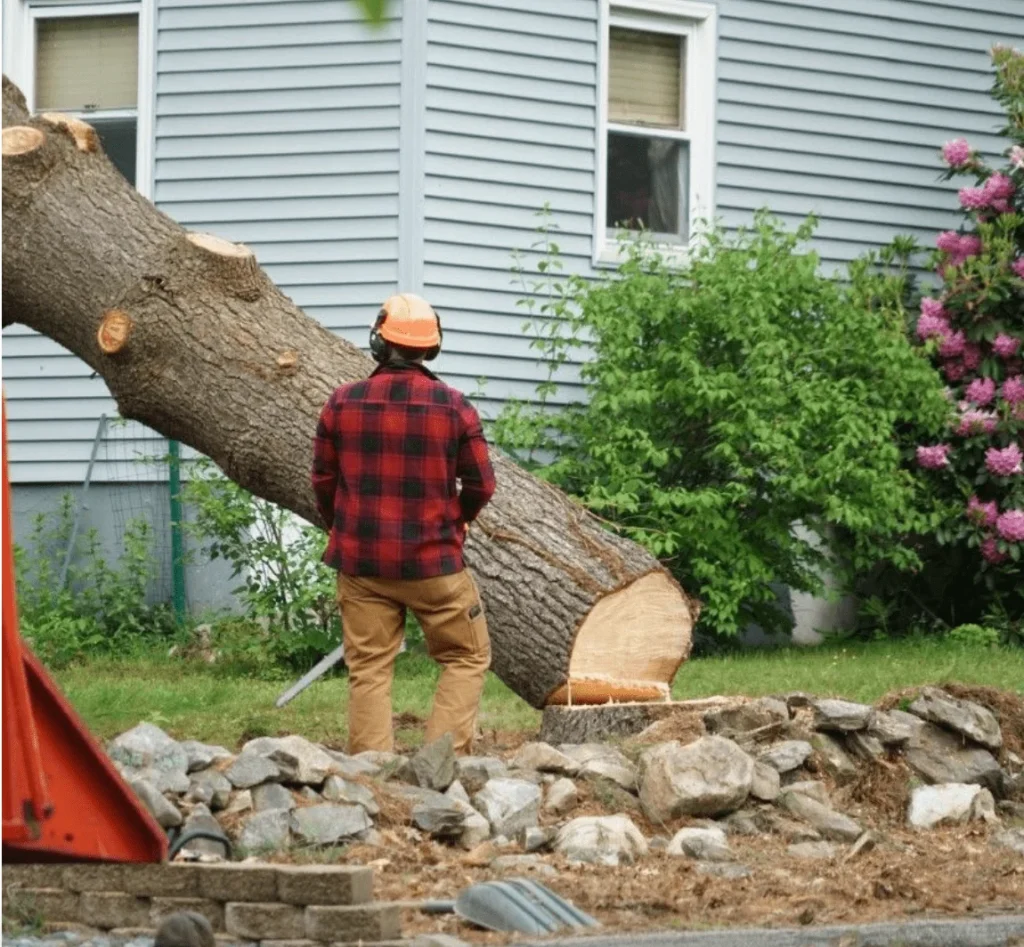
[(656, 144), (93, 62)]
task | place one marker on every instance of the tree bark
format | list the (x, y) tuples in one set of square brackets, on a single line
[(195, 341)]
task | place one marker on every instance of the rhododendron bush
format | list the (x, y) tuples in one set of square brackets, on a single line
[(972, 325)]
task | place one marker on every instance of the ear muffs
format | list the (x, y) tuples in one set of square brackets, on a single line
[(380, 348), (435, 351)]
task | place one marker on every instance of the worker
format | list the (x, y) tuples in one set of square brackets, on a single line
[(389, 455)]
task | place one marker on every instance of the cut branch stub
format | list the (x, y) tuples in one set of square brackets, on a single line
[(85, 136), (115, 328), (22, 140), (231, 266)]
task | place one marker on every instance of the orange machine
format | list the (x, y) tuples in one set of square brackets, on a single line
[(62, 798)]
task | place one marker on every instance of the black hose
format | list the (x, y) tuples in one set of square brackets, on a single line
[(179, 839)]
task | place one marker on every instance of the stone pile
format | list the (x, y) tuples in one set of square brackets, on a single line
[(770, 765)]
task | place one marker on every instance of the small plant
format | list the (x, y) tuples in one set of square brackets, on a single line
[(974, 636)]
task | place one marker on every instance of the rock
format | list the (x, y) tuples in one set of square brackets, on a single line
[(525, 864), (218, 785), (711, 776), (433, 765), (751, 715), (544, 758), (271, 796), (946, 802), (146, 746), (265, 831), (475, 828), (828, 822), (250, 770), (765, 784), (440, 822), (310, 794), (834, 759), (975, 722), (337, 789), (203, 755), (458, 792), (350, 766), (603, 840), (893, 727), (741, 822), (562, 797), (983, 808), (596, 759), (383, 759), (864, 746), (509, 805), (437, 940), (725, 870), (865, 843), (939, 756), (1011, 809), (841, 715), (706, 844), (786, 756), (169, 780), (534, 839), (812, 788), (813, 850), (475, 771), (789, 829), (197, 792), (1012, 839), (327, 824), (166, 815), (202, 820), (298, 760), (239, 802)]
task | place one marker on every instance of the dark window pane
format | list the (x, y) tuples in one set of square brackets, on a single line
[(118, 137), (647, 184)]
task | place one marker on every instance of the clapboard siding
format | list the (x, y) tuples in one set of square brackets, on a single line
[(277, 125)]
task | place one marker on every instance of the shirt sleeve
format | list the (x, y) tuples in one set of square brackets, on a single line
[(473, 465), (325, 464)]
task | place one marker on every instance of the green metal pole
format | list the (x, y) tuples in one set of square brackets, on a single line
[(177, 533)]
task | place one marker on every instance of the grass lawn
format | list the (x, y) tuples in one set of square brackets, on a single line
[(192, 700)]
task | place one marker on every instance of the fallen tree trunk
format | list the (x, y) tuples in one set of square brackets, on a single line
[(194, 340)]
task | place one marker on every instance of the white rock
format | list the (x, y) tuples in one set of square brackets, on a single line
[(457, 792), (786, 756), (161, 810), (298, 760), (603, 840), (766, 784), (562, 797), (509, 805), (250, 770), (975, 722), (812, 788), (147, 747), (239, 802), (596, 759), (544, 758), (842, 715), (831, 824), (948, 802), (706, 844), (265, 831)]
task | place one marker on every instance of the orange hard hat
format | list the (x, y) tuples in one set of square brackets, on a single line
[(409, 320)]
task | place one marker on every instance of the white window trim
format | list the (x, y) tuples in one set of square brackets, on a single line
[(697, 20), (19, 51)]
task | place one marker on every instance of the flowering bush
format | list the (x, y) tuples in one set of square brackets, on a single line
[(973, 327)]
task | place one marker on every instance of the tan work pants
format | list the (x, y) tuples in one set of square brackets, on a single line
[(373, 621)]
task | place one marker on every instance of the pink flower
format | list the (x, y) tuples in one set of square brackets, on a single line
[(999, 187), (970, 245), (990, 551), (972, 356), (933, 307), (956, 153), (959, 247), (952, 345), (933, 458), (954, 371), (1018, 267), (1011, 526), (982, 514), (931, 327), (1013, 390), (1005, 346), (948, 241), (1005, 462), (973, 198), (981, 391), (1017, 156), (973, 421)]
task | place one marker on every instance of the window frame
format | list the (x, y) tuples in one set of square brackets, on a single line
[(697, 22), (20, 45)]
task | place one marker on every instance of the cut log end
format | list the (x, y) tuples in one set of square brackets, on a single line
[(114, 331), (231, 267), (21, 140), (85, 137), (630, 645), (218, 246)]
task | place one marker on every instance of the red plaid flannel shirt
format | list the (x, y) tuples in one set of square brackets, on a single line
[(386, 457)]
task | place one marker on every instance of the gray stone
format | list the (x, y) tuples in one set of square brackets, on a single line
[(893, 727), (265, 831), (310, 794), (250, 770), (169, 780), (166, 815), (598, 760), (710, 777), (973, 721), (271, 796), (727, 870), (603, 840), (215, 784), (752, 715), (198, 792), (939, 756), (812, 788), (337, 789), (789, 829), (786, 756), (202, 820), (705, 844), (298, 760), (1012, 839), (562, 797), (433, 765), (813, 850), (457, 792), (865, 843), (841, 715), (327, 824), (530, 864), (741, 822), (544, 758), (834, 759), (535, 839), (146, 746), (475, 771), (948, 802), (439, 821), (203, 755), (864, 746), (827, 821), (350, 766), (475, 828), (239, 802), (765, 784), (509, 805)]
